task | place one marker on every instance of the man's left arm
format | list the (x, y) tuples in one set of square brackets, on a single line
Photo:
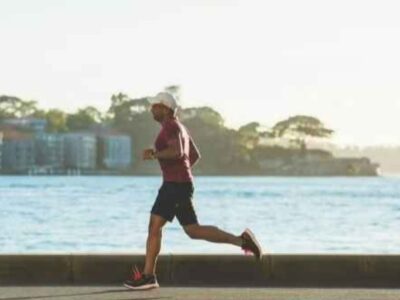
[(194, 153)]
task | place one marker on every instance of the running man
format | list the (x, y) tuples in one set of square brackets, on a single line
[(177, 153)]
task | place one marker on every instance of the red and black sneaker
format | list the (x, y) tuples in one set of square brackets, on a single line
[(140, 281), (250, 244)]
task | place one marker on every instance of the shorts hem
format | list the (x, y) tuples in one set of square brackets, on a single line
[(160, 215)]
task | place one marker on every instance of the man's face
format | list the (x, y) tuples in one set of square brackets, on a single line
[(159, 112)]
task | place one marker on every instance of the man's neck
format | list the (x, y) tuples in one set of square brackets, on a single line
[(168, 118)]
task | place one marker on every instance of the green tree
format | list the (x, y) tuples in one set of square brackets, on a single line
[(56, 120), (8, 106), (298, 128), (13, 107), (123, 108), (133, 117), (39, 114), (222, 151), (84, 118), (205, 114), (26, 108), (249, 135), (116, 101)]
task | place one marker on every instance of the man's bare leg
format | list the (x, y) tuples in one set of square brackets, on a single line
[(153, 245), (212, 234)]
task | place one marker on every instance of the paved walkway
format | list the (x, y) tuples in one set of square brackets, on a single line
[(120, 293)]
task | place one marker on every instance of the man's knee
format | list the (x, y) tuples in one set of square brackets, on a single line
[(155, 228)]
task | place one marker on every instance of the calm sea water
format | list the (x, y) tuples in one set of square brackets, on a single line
[(288, 215)]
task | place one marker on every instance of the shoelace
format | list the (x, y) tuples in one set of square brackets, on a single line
[(137, 275)]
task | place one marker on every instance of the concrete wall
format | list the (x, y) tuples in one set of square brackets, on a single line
[(205, 270)]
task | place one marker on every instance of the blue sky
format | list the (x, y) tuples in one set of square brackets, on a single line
[(251, 60)]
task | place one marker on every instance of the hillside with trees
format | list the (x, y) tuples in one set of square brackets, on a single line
[(224, 150)]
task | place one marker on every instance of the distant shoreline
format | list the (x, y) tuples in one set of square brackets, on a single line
[(196, 176)]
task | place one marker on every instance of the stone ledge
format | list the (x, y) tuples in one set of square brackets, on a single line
[(277, 270)]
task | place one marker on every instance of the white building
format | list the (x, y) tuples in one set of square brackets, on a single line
[(80, 151), (49, 150), (116, 151)]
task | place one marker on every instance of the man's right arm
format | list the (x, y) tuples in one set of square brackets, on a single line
[(194, 154)]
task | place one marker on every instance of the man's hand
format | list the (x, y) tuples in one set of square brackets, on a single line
[(148, 154)]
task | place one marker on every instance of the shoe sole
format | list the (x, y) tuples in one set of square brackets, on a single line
[(251, 234), (142, 287)]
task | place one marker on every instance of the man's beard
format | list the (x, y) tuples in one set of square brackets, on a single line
[(157, 118)]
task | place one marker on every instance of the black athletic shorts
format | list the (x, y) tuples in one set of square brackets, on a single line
[(175, 199)]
